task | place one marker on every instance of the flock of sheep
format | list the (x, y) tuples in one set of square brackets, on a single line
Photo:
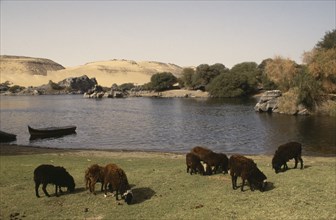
[(111, 176), (240, 166), (114, 178)]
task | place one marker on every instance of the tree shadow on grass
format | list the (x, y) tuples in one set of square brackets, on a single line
[(142, 194)]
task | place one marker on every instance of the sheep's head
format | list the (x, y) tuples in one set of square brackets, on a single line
[(258, 180), (71, 184), (128, 196), (276, 165)]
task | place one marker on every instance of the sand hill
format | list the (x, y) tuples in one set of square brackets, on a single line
[(26, 71)]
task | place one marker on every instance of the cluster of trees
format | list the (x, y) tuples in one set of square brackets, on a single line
[(316, 77)]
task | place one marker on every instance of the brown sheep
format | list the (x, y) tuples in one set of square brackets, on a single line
[(217, 160), (45, 174), (115, 176), (284, 153), (247, 170), (194, 164), (201, 152), (211, 158), (94, 174)]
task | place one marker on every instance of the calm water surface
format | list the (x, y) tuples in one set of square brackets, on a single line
[(176, 125)]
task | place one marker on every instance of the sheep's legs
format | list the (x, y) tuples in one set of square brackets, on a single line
[(242, 186), (92, 187), (37, 185), (301, 161), (44, 188), (234, 181), (56, 190), (105, 189), (296, 162)]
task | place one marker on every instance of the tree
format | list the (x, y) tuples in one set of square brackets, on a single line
[(263, 79), (205, 73), (251, 71), (228, 85), (281, 72), (186, 78), (328, 41), (162, 81), (309, 90), (239, 81), (321, 62), (126, 86)]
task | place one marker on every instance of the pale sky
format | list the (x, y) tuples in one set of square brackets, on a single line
[(186, 33)]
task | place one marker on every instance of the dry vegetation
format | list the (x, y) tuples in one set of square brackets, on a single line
[(163, 189)]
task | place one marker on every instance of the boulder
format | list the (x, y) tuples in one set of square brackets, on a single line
[(268, 102), (81, 84)]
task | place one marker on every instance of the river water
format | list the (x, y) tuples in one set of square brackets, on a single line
[(169, 124)]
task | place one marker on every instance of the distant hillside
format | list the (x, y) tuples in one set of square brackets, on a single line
[(27, 65), (15, 69)]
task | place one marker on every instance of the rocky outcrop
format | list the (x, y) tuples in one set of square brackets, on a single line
[(275, 101), (98, 92), (268, 102), (81, 84)]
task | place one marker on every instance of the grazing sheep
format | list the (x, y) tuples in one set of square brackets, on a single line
[(94, 174), (45, 174), (194, 164), (211, 158), (284, 153), (217, 160), (247, 170), (201, 152), (115, 176)]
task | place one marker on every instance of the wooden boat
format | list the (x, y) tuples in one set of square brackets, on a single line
[(51, 131), (6, 137)]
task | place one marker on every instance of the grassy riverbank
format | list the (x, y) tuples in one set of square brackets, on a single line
[(163, 190)]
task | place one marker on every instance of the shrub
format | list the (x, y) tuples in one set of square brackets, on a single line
[(16, 88), (228, 85), (55, 86), (288, 102), (163, 81)]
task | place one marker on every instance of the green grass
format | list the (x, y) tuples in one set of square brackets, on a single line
[(163, 190)]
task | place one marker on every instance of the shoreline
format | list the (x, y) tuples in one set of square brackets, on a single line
[(7, 149)]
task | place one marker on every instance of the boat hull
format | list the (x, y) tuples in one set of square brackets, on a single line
[(7, 137), (51, 131)]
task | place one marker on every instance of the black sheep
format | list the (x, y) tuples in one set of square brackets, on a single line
[(217, 160), (247, 170), (45, 174), (193, 163), (284, 153), (115, 176)]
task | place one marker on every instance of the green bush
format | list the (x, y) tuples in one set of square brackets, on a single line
[(55, 86), (16, 88), (241, 80), (126, 86), (205, 74), (309, 90), (163, 81)]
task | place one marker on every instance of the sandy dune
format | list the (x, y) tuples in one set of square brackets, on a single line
[(20, 72)]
